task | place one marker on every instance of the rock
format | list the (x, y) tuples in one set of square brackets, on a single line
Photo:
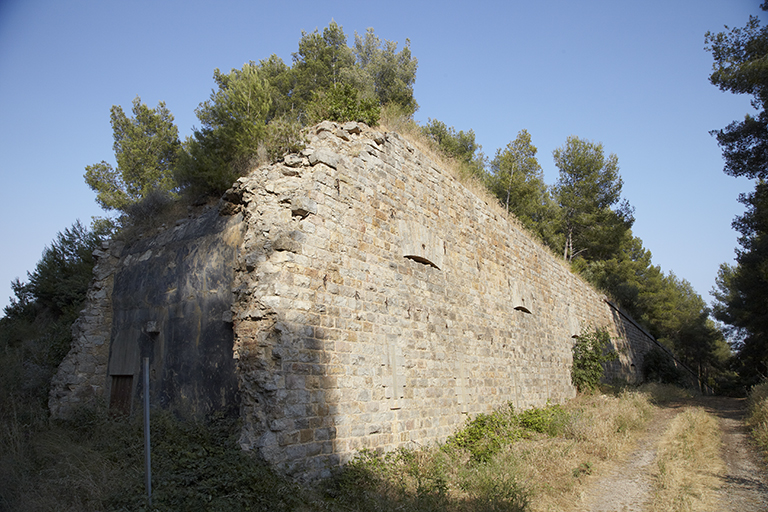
[(292, 160), (325, 126), (352, 127), (303, 206), (325, 156)]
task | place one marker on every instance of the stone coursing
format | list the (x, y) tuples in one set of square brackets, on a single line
[(82, 376), (379, 302), (376, 302)]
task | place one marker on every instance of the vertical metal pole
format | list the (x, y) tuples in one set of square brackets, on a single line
[(147, 457)]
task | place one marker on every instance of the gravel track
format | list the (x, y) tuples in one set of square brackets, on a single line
[(628, 485)]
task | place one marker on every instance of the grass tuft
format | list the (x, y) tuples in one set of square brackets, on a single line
[(688, 463), (757, 405)]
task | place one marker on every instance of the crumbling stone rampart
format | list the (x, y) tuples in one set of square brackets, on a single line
[(379, 302), (373, 301), (82, 376)]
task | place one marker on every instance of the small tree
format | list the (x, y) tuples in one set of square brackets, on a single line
[(517, 180), (589, 354), (146, 148), (233, 126), (588, 190), (343, 103), (460, 145), (388, 74)]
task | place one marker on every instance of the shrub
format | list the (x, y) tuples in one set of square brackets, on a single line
[(484, 435), (283, 136), (343, 103), (589, 354), (550, 420)]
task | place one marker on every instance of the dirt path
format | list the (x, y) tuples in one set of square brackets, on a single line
[(628, 485), (745, 487)]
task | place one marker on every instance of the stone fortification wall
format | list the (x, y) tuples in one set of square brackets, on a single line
[(81, 377), (352, 296), (379, 303), (167, 297)]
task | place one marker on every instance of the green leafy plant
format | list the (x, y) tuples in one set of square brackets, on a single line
[(283, 136), (146, 149), (590, 352), (484, 435), (550, 420), (344, 103)]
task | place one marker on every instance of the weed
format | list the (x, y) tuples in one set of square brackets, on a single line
[(484, 435), (550, 420), (585, 468), (589, 353), (665, 393)]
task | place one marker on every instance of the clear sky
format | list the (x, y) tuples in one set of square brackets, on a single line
[(632, 75)]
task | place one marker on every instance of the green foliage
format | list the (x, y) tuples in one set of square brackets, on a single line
[(384, 73), (485, 434), (741, 291), (459, 145), (757, 414), (95, 462), (280, 79), (588, 191), (283, 136), (658, 366), (60, 279), (35, 335), (741, 66), (420, 480), (44, 308), (343, 103), (146, 149), (258, 111), (491, 493), (320, 62), (550, 420), (233, 126), (199, 466), (628, 276), (517, 180), (667, 306), (589, 355), (399, 480)]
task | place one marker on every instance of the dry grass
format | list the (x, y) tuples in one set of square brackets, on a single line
[(602, 428), (688, 463), (531, 471), (758, 415), (663, 393), (394, 121)]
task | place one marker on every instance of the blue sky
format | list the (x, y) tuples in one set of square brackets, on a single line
[(632, 75)]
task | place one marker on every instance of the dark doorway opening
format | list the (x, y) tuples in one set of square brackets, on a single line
[(120, 395)]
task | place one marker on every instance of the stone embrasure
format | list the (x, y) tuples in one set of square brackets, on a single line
[(375, 303)]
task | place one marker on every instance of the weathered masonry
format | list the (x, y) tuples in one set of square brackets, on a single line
[(352, 296)]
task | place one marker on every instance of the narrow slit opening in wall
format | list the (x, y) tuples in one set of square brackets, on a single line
[(523, 309), (422, 260), (120, 395)]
